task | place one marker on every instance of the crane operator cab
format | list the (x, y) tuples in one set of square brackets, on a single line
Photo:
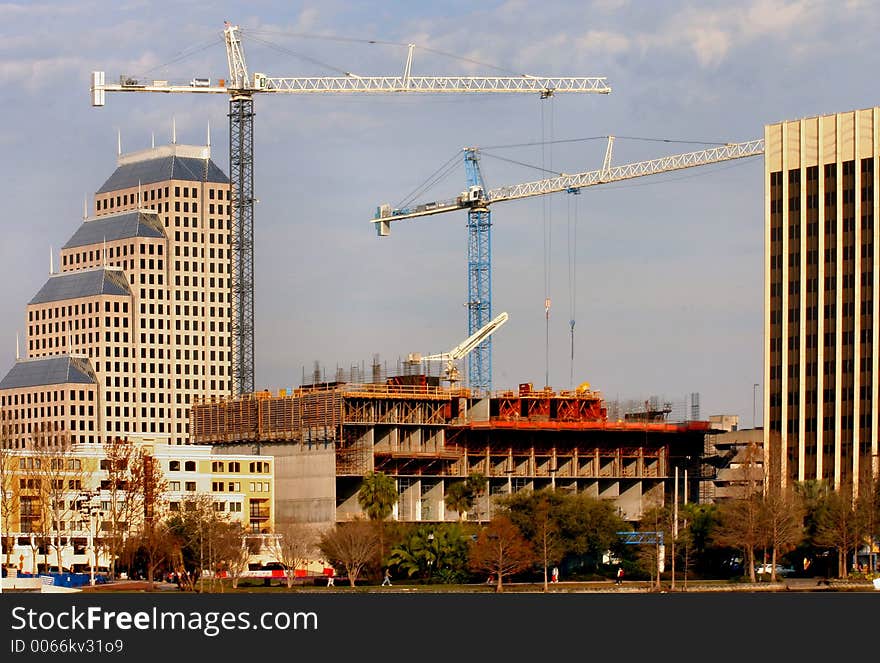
[(472, 196)]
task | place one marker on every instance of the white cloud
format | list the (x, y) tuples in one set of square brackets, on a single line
[(609, 6), (603, 41), (38, 73)]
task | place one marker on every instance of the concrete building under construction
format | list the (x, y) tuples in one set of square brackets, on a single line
[(325, 437)]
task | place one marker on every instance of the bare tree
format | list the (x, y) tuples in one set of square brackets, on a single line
[(119, 456), (868, 512), (782, 524), (231, 551), (351, 545), (9, 492), (658, 520), (61, 476), (146, 506), (741, 518), (547, 538), (295, 547), (501, 550), (838, 526)]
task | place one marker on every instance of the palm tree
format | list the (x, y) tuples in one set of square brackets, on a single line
[(377, 495), (459, 498)]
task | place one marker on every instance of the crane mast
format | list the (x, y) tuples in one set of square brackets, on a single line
[(479, 304), (241, 87)]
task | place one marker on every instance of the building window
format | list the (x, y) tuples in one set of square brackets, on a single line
[(190, 466), (190, 486), (174, 466)]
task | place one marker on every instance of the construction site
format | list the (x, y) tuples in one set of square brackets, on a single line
[(325, 437), (429, 431)]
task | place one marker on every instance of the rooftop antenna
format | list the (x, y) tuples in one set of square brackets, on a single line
[(209, 133), (85, 207), (51, 261), (119, 142), (153, 139), (173, 130), (17, 351)]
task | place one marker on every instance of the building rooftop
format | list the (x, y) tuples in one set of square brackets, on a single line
[(124, 225), (85, 283), (59, 369), (159, 164)]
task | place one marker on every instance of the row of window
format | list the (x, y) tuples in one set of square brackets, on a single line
[(47, 397), (30, 463), (234, 507)]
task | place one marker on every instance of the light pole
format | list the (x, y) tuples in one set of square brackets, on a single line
[(754, 403)]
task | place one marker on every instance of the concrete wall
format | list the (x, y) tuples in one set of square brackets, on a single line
[(305, 481)]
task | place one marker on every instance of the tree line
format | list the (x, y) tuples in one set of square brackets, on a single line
[(815, 529)]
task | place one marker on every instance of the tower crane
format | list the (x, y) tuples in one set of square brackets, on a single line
[(241, 87), (460, 351), (476, 199)]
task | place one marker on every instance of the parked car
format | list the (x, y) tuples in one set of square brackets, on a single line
[(767, 569)]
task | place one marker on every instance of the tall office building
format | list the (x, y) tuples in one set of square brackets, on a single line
[(137, 322), (820, 342)]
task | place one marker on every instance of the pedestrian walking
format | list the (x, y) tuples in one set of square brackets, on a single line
[(555, 575), (387, 580), (619, 580), (330, 581)]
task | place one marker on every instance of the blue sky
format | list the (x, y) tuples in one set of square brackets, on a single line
[(667, 282)]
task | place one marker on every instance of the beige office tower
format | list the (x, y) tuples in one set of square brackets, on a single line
[(140, 308), (820, 340)]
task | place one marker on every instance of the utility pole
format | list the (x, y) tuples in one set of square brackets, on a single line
[(674, 525)]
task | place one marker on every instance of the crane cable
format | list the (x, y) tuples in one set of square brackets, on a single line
[(572, 276), (547, 163)]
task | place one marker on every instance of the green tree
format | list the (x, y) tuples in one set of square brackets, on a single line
[(459, 499), (565, 524), (812, 494), (433, 552), (377, 495), (461, 496), (700, 522), (477, 484), (538, 515)]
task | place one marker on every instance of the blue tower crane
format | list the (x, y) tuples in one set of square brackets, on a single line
[(479, 302)]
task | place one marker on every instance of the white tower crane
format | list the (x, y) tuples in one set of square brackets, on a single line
[(461, 350), (241, 88)]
